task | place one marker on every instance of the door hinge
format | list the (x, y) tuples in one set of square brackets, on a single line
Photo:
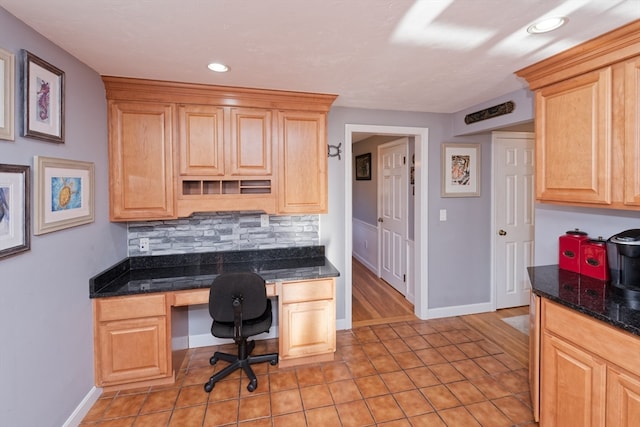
[(404, 160), (404, 278)]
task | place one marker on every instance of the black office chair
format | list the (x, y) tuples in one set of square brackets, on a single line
[(240, 309)]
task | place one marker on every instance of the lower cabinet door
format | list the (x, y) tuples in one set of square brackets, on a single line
[(132, 350), (623, 399), (308, 328), (572, 388)]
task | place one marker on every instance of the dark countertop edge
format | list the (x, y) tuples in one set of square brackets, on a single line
[(581, 309), (99, 283), (608, 319)]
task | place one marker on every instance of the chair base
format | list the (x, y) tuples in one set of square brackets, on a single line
[(243, 360)]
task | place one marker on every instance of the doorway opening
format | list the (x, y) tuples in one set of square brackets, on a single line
[(419, 262)]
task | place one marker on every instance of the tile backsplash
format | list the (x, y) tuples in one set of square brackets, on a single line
[(223, 231)]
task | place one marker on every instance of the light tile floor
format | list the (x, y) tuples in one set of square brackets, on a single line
[(421, 373)]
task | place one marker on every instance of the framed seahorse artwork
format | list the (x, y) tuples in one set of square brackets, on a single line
[(42, 98)]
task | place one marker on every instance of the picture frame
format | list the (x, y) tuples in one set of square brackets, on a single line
[(64, 194), (15, 209), (43, 99), (460, 170), (363, 167), (7, 94)]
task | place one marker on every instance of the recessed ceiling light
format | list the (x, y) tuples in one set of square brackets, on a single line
[(217, 67), (547, 24)]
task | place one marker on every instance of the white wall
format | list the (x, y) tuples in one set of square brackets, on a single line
[(46, 336)]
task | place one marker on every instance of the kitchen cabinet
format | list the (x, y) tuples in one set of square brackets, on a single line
[(220, 171), (534, 354), (589, 372), (308, 320), (141, 160), (131, 342), (303, 163), (586, 122), (203, 148)]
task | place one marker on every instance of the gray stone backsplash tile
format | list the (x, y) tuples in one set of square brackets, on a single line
[(227, 231)]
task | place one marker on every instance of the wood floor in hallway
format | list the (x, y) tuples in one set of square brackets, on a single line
[(375, 302)]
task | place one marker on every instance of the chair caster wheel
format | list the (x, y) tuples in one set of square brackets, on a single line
[(213, 360), (208, 387), (274, 362), (252, 385)]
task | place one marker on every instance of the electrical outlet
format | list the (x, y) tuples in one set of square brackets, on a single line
[(144, 244), (264, 220)]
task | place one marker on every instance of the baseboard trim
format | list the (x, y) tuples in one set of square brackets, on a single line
[(460, 310), (83, 408)]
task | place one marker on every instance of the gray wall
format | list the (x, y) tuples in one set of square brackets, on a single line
[(458, 255), (46, 360)]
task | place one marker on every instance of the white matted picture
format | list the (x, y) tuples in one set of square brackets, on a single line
[(15, 212), (43, 99), (7, 94), (64, 194), (460, 170)]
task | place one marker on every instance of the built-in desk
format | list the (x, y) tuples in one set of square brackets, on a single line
[(138, 304)]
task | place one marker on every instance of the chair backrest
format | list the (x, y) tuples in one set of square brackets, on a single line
[(227, 286)]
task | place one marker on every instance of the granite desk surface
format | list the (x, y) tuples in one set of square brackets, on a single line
[(586, 295), (166, 273)]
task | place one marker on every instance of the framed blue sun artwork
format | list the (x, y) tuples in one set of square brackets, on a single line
[(64, 194)]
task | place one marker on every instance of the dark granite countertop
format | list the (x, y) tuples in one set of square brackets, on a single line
[(586, 295), (165, 273)]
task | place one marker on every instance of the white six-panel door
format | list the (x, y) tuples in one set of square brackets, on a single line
[(513, 218), (392, 213)]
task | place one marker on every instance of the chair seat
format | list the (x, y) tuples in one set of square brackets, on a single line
[(249, 327)]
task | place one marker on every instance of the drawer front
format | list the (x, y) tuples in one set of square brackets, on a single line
[(199, 296), (610, 343), (130, 307), (311, 290)]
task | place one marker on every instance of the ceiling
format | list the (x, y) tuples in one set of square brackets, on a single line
[(438, 56)]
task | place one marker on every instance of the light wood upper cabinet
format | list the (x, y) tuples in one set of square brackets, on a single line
[(251, 146), (587, 122), (303, 163), (233, 149), (141, 160), (632, 132), (201, 142), (573, 162)]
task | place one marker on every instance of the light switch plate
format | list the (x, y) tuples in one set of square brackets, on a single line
[(443, 214)]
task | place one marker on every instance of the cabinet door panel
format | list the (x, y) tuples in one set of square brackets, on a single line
[(251, 146), (141, 161), (623, 399), (201, 140), (574, 136), (303, 163), (572, 389), (307, 329), (133, 350), (632, 133)]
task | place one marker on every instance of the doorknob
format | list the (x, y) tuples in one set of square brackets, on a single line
[(502, 232), (380, 219)]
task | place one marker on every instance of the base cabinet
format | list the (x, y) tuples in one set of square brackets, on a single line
[(131, 340), (589, 371), (133, 334), (308, 319)]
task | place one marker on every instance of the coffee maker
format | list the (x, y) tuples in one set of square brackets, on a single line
[(623, 253)]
